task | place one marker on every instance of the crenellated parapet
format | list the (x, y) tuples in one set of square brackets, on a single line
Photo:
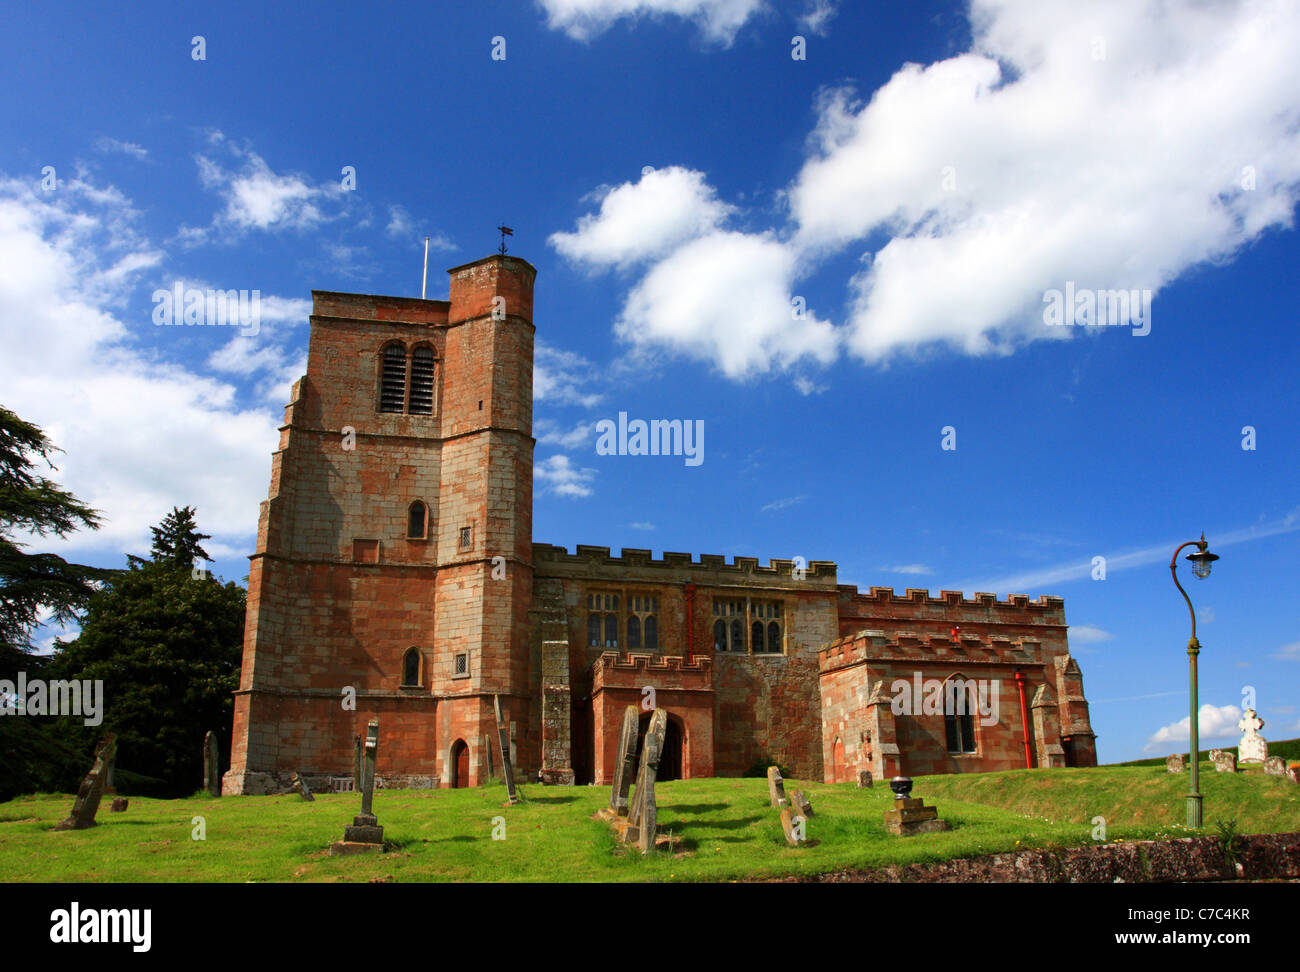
[(876, 647), (662, 672), (1015, 606), (589, 560)]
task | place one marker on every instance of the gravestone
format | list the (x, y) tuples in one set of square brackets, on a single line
[(211, 764), (643, 811), (864, 779), (776, 787), (1275, 766), (356, 764), (624, 761), (119, 804), (91, 790), (801, 804), (1293, 772), (365, 834), (1224, 762), (1252, 748), (507, 766), (302, 789), (1175, 763), (794, 826)]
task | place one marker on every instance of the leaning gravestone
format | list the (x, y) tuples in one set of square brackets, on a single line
[(503, 736), (92, 788), (1253, 748), (211, 764), (643, 812), (365, 834), (864, 779), (624, 761), (802, 805), (1275, 766), (1175, 763), (776, 787), (794, 825), (302, 789)]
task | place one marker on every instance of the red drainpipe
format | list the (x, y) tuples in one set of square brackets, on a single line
[(1024, 718), (690, 620)]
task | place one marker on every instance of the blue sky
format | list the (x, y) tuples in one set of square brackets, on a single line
[(916, 183)]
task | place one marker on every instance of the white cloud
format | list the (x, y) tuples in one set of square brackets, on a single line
[(726, 298), (782, 503), (818, 15), (561, 377), (558, 475), (1288, 652), (643, 220), (106, 144), (140, 435), (1087, 634), (1212, 722), (549, 432), (1043, 143), (719, 20), (641, 525), (910, 569)]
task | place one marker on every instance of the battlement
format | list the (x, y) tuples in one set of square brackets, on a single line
[(919, 595), (373, 307), (636, 669), (587, 558), (855, 648)]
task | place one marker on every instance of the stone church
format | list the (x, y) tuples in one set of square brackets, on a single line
[(396, 577)]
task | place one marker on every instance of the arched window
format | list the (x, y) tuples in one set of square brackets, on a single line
[(737, 636), (719, 635), (392, 384), (756, 629), (959, 704), (611, 630), (633, 632), (411, 667), (774, 637), (420, 401), (651, 633), (416, 521), (593, 630)]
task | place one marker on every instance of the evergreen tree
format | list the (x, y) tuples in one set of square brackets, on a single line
[(176, 541)]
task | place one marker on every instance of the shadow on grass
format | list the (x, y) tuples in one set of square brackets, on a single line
[(554, 799), (694, 807)]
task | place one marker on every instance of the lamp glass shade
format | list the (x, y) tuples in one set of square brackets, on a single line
[(1202, 561)]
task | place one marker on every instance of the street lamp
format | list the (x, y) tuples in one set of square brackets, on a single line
[(1202, 561)]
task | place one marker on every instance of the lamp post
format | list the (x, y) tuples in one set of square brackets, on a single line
[(1202, 561)]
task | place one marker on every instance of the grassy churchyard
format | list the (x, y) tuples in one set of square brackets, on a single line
[(727, 829)]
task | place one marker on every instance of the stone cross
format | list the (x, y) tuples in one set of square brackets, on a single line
[(776, 787), (365, 827), (643, 812), (211, 764), (1175, 763), (1252, 748), (624, 761), (92, 788), (507, 767)]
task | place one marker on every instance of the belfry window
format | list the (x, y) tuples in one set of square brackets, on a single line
[(420, 401), (411, 667), (602, 620), (417, 521), (959, 715), (392, 383)]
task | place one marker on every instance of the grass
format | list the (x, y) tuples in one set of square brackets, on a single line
[(727, 829)]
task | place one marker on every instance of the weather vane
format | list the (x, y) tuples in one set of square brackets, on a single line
[(505, 231)]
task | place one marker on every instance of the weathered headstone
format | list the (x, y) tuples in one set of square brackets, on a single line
[(801, 804), (1252, 748), (1293, 772), (1175, 763), (91, 790), (624, 761), (795, 827), (365, 833), (1224, 762), (1275, 766), (302, 789), (864, 779), (643, 811), (119, 804), (776, 787), (507, 765), (211, 764)]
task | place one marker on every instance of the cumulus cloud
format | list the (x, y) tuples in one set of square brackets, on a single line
[(1088, 634), (644, 219), (563, 377), (139, 434), (1213, 723), (817, 17), (550, 432), (718, 20), (558, 475), (1112, 145)]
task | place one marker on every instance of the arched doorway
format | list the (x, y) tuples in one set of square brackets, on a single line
[(837, 760), (459, 764), (670, 760)]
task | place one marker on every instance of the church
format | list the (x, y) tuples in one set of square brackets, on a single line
[(396, 577)]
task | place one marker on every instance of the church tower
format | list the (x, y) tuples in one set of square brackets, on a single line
[(393, 571)]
